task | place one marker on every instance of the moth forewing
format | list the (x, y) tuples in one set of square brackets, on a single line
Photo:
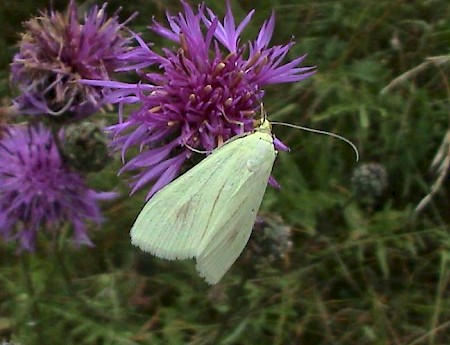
[(208, 212), (229, 234)]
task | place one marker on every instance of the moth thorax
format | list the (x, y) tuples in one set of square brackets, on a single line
[(264, 127)]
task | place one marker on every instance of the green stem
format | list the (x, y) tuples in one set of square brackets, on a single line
[(236, 294), (35, 310), (61, 263), (70, 287)]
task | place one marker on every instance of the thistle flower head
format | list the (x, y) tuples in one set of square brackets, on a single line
[(198, 94), (56, 51), (37, 189)]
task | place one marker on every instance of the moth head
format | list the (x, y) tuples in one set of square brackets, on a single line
[(264, 126)]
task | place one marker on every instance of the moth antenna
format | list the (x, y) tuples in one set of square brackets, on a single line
[(239, 123), (262, 119), (195, 150), (263, 113), (318, 131)]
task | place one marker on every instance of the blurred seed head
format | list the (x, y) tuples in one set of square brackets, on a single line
[(271, 239), (369, 181), (85, 146)]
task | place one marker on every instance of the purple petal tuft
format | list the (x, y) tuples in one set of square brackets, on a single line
[(39, 192)]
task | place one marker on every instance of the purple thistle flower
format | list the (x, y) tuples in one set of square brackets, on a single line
[(56, 51), (202, 92), (37, 190)]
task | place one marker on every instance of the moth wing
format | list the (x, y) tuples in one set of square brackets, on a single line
[(231, 230), (175, 220)]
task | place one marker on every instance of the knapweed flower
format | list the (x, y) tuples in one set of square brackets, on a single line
[(199, 94), (38, 191), (56, 51)]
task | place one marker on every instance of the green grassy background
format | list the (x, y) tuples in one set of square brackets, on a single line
[(356, 274)]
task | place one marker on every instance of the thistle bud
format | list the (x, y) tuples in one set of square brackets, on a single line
[(85, 147)]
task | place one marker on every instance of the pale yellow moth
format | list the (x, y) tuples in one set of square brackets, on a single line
[(208, 212)]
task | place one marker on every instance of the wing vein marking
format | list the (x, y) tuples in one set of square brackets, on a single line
[(219, 194), (233, 215)]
